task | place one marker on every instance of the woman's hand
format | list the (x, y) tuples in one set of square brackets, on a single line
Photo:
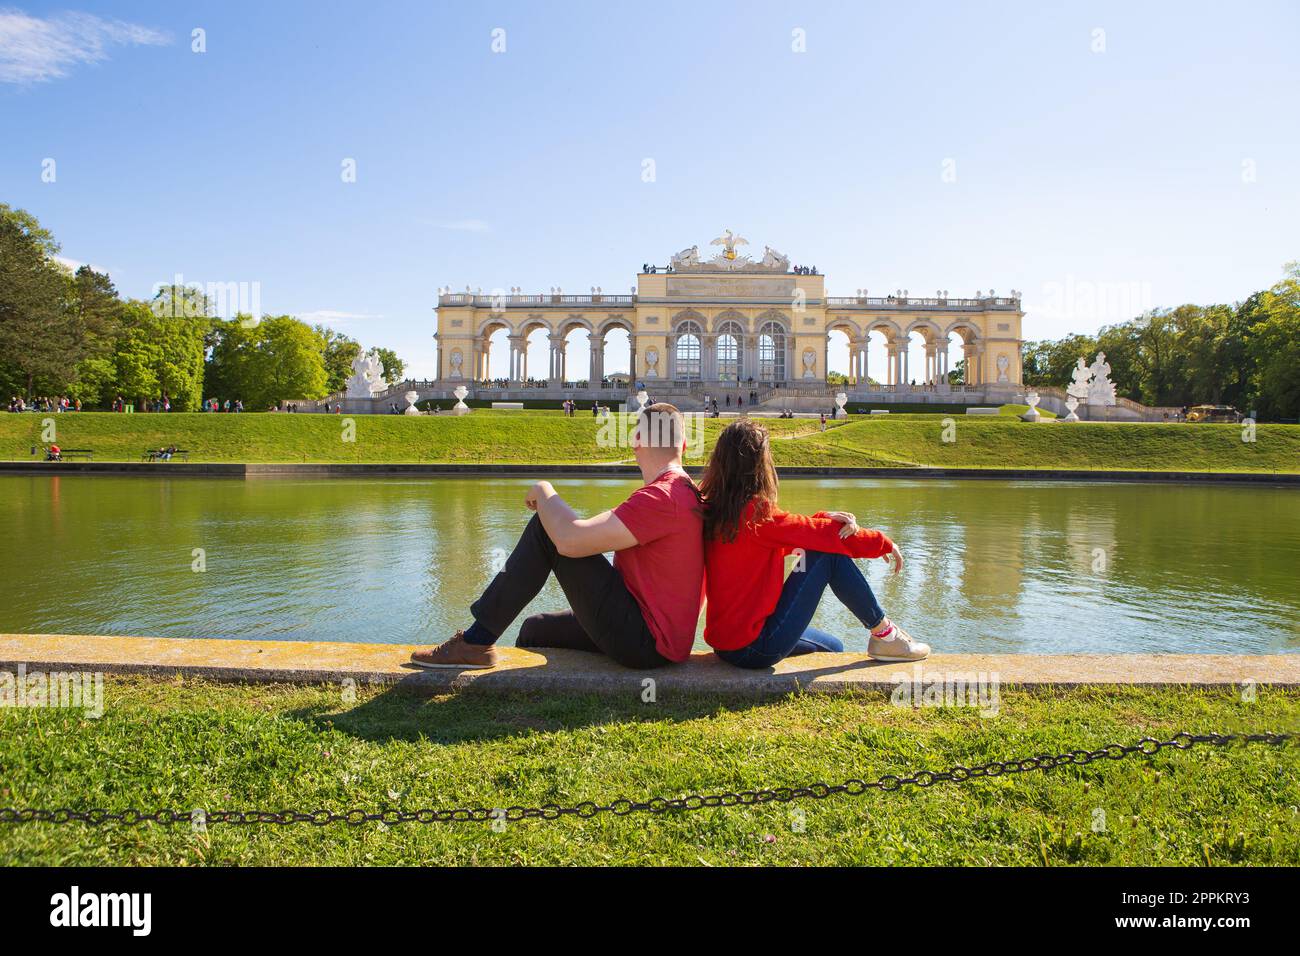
[(894, 558), (848, 519), (542, 489)]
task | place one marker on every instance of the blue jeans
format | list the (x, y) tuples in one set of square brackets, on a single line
[(786, 631)]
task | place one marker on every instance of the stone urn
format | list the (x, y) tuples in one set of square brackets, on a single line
[(1033, 414), (460, 408), (642, 400), (411, 398), (841, 399), (1071, 403)]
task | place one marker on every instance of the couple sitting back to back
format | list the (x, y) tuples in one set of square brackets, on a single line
[(642, 609)]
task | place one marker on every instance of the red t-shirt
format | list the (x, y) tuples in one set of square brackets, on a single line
[(746, 575), (665, 571)]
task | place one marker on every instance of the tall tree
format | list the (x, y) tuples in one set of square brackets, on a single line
[(339, 354), (39, 339), (1274, 344)]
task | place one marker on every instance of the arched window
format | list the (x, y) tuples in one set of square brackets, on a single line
[(687, 355), (729, 337), (771, 352)]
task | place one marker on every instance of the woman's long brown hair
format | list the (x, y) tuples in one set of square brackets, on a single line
[(739, 471)]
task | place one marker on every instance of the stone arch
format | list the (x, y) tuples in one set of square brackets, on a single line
[(491, 324), (479, 363), (687, 315), (598, 343), (844, 324), (571, 322), (968, 330), (928, 328), (613, 322), (886, 327), (731, 315), (777, 316)]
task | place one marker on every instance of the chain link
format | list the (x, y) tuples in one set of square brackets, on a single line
[(1147, 746)]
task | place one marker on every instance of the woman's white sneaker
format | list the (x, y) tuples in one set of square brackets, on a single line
[(896, 645)]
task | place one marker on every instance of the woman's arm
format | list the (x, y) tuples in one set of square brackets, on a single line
[(821, 532)]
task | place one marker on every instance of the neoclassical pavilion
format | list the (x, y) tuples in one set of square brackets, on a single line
[(699, 323)]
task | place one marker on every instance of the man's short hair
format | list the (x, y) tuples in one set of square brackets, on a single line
[(661, 426)]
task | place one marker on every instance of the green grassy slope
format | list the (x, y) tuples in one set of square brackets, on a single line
[(548, 437), (187, 745)]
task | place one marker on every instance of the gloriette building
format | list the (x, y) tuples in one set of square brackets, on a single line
[(698, 326)]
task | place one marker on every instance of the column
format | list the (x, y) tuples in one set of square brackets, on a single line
[(518, 359), (596, 370), (708, 357), (557, 359)]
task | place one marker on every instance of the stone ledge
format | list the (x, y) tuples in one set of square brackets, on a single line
[(578, 672)]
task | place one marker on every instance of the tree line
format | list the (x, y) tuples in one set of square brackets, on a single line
[(1245, 355), (69, 333)]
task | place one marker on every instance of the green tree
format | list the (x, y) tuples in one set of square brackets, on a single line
[(1051, 362), (158, 354), (275, 360), (1274, 345), (339, 354), (394, 368), (40, 343)]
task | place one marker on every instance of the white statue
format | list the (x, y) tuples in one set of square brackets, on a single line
[(1080, 376), (411, 398), (687, 257), (1101, 390), (729, 240), (460, 408), (367, 376), (841, 399), (774, 260)]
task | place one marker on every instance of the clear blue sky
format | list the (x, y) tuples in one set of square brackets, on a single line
[(1162, 169)]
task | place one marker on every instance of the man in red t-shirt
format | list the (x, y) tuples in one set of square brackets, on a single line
[(642, 609)]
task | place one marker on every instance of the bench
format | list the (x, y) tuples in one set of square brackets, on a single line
[(66, 453), (880, 411), (154, 454), (981, 411), (509, 406)]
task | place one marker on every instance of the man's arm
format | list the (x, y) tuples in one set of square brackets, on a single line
[(576, 537)]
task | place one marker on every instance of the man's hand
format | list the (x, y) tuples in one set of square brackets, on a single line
[(848, 519), (539, 491)]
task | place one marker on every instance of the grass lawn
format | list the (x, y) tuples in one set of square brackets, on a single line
[(549, 438), (186, 744)]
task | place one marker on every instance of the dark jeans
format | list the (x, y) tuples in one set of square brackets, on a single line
[(605, 617), (786, 631)]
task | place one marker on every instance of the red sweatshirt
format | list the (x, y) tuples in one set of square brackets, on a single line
[(743, 578)]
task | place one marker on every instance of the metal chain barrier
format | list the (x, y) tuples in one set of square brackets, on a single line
[(1147, 746)]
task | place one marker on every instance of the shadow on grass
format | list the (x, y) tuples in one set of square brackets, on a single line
[(441, 710)]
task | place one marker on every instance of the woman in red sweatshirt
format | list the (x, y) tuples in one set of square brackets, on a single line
[(753, 619)]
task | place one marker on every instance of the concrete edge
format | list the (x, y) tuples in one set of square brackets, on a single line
[(432, 469), (557, 671)]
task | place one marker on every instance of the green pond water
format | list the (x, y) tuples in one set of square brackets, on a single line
[(1023, 567)]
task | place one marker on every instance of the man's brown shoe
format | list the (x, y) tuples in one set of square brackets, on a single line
[(457, 653)]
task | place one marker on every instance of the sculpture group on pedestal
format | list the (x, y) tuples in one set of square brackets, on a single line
[(1089, 385), (367, 376)]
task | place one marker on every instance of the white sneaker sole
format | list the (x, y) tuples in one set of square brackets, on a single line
[(895, 660)]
